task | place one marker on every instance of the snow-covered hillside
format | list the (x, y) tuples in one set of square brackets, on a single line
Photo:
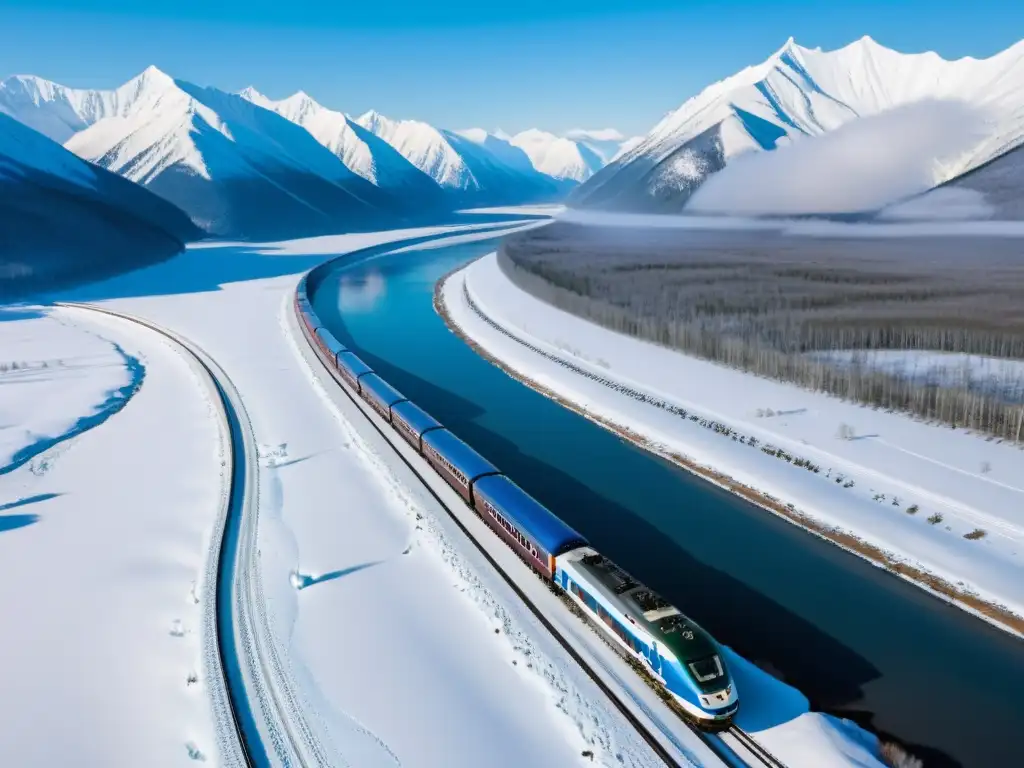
[(247, 166), (994, 190), (55, 110), (561, 158), (808, 92), (359, 149), (62, 218), (474, 169), (236, 169)]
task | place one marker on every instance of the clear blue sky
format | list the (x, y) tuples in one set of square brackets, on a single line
[(553, 64)]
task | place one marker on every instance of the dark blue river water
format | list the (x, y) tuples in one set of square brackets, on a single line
[(857, 641)]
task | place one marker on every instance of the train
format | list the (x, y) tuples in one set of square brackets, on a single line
[(680, 655)]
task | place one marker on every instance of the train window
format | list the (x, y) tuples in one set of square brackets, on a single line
[(706, 669)]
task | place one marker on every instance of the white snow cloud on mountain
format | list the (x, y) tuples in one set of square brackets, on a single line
[(876, 159)]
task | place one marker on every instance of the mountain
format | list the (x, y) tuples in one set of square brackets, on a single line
[(807, 92), (994, 190), (54, 110), (560, 158), (63, 219), (469, 168), (362, 152), (237, 169), (606, 143)]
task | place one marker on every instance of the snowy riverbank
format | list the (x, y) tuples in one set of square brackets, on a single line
[(908, 495)]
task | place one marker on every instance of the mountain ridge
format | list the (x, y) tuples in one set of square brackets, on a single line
[(798, 92)]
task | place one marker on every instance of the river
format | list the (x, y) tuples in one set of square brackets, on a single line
[(859, 642)]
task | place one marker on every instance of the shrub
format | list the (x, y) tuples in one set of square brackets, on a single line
[(936, 519), (913, 509), (976, 534), (895, 756)]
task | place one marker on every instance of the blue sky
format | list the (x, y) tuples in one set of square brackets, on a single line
[(553, 64)]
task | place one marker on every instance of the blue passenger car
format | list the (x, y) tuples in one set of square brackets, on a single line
[(379, 394), (533, 530), (352, 368), (412, 422), (456, 462), (330, 345)]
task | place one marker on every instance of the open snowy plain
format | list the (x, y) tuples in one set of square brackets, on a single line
[(111, 476)]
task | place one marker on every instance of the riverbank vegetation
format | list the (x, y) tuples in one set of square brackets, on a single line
[(823, 313)]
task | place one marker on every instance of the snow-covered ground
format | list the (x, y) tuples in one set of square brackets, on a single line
[(58, 380), (104, 535), (403, 645), (993, 375), (911, 490)]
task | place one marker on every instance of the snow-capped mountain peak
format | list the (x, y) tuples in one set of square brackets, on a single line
[(558, 157), (359, 149), (799, 91), (375, 122), (251, 94)]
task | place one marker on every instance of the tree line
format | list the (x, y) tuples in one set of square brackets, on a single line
[(773, 309)]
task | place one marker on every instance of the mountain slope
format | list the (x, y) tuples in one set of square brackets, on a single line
[(807, 92), (237, 169), (994, 190), (606, 143), (467, 168), (362, 152), (63, 219)]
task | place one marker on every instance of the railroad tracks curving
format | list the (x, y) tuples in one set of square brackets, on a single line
[(258, 721)]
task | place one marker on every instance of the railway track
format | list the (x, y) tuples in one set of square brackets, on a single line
[(726, 753), (752, 747), (240, 742)]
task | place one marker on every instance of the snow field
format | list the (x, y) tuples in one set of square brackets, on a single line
[(48, 388), (916, 490), (104, 589)]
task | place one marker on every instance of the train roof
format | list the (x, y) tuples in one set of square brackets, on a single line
[(353, 364), (332, 343), (415, 416), (381, 390), (529, 515), (465, 459), (687, 640)]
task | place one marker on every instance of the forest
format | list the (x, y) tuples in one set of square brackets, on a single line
[(820, 312)]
